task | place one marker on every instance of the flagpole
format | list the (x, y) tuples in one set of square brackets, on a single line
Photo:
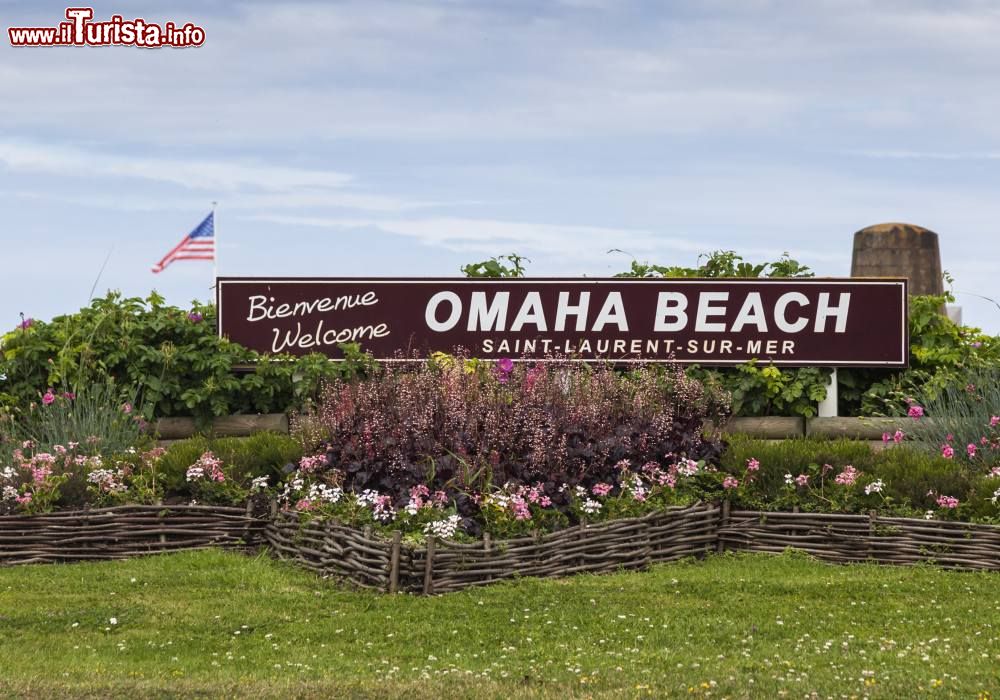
[(215, 258)]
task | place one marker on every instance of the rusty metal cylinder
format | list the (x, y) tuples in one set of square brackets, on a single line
[(899, 250)]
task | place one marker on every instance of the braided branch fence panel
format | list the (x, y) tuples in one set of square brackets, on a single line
[(370, 561), (122, 532), (852, 538)]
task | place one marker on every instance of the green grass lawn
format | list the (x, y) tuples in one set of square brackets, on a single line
[(214, 624)]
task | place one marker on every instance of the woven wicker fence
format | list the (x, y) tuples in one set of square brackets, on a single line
[(439, 567), (367, 560), (851, 538), (125, 531)]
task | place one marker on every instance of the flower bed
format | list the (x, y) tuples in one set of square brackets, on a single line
[(123, 531)]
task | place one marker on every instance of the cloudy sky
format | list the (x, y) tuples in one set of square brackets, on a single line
[(408, 138)]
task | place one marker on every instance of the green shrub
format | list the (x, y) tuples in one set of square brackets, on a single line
[(173, 354), (262, 454), (912, 477)]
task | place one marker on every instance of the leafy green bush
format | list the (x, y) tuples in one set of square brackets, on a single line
[(911, 478), (942, 354), (173, 355), (262, 454)]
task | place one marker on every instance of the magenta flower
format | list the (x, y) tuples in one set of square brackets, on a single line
[(195, 317), (885, 438), (505, 365), (947, 502), (947, 451), (26, 323), (848, 476), (970, 449), (601, 489), (752, 464), (915, 412), (994, 420), (48, 398), (898, 436)]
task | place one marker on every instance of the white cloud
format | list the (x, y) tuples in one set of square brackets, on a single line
[(192, 173), (928, 155)]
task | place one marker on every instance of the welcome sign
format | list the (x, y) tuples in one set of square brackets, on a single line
[(796, 322)]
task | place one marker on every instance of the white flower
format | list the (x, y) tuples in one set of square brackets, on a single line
[(322, 492), (874, 487), (9, 493), (113, 620), (929, 515), (195, 473), (687, 467), (789, 479), (8, 473), (591, 506), (445, 529), (367, 497), (259, 483)]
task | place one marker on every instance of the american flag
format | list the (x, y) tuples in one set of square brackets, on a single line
[(197, 245)]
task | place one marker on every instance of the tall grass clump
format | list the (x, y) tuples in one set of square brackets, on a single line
[(101, 414), (961, 414)]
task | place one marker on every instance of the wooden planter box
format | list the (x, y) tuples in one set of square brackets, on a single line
[(122, 532)]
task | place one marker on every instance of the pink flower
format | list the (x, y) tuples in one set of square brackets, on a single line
[(994, 420), (304, 504), (601, 489), (885, 438), (848, 476), (947, 502), (48, 397), (802, 480), (23, 499), (947, 451), (194, 317), (730, 482), (69, 395), (949, 438), (898, 436), (126, 408), (970, 449), (520, 508), (752, 464), (314, 462), (915, 412)]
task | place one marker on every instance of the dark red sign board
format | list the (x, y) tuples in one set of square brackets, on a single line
[(857, 322)]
